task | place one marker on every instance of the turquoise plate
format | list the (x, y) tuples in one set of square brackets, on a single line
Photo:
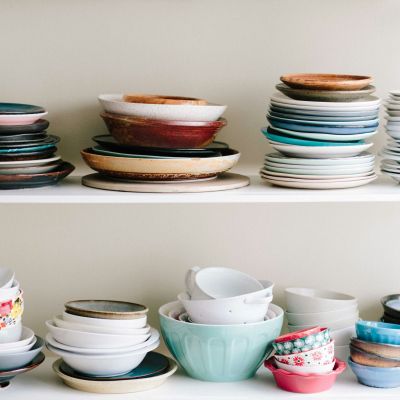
[(17, 108), (27, 149)]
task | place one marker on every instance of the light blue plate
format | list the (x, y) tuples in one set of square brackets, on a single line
[(285, 110), (333, 124)]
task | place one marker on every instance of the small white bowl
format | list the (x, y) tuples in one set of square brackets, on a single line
[(106, 364), (99, 329), (314, 369), (26, 337), (11, 333), (113, 103), (88, 340), (18, 349), (107, 323), (321, 318)]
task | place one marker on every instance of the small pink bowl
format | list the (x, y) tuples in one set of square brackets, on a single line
[(311, 383), (20, 119)]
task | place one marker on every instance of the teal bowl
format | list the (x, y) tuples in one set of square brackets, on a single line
[(219, 353)]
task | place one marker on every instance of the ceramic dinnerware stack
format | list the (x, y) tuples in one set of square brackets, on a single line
[(27, 152), (391, 152), (391, 307), (155, 140), (375, 354), (20, 349), (308, 307), (223, 326), (304, 361), (107, 347), (319, 124)]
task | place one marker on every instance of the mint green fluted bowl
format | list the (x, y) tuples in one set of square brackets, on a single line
[(219, 353)]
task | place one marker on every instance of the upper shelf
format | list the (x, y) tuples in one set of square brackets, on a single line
[(70, 191)]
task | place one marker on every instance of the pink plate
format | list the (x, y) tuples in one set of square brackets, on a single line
[(20, 119)]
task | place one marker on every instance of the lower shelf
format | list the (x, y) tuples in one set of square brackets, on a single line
[(43, 384)]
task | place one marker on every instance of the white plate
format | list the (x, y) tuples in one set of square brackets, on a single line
[(312, 167), (323, 177), (315, 171), (322, 113), (392, 119), (316, 179), (28, 163), (321, 152), (325, 123), (392, 127), (394, 134), (39, 169), (337, 109), (113, 103)]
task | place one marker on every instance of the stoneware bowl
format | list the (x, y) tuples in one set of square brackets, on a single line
[(113, 103), (306, 369), (219, 353), (379, 349), (374, 376), (106, 309), (312, 383), (161, 169), (142, 132), (391, 305), (89, 340), (228, 311), (104, 364), (302, 300), (302, 340), (364, 358), (378, 332)]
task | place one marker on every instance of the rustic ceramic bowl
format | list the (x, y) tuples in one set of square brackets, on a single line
[(379, 349), (378, 332), (142, 132), (365, 358), (161, 169)]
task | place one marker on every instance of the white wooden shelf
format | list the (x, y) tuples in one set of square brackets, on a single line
[(43, 384), (70, 191)]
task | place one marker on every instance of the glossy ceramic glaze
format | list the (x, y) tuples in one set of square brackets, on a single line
[(365, 358), (379, 349), (161, 133), (20, 119), (19, 108), (31, 144), (221, 353), (37, 127), (378, 332), (113, 103)]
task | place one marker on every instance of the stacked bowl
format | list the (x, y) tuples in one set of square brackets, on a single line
[(307, 308), (304, 361), (20, 349), (391, 152), (319, 124), (375, 354), (156, 140), (223, 326), (391, 307), (27, 158), (107, 347)]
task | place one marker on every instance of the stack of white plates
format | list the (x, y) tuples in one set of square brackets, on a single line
[(391, 152), (322, 142)]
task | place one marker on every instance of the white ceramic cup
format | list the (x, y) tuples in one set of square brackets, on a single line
[(11, 333), (11, 292)]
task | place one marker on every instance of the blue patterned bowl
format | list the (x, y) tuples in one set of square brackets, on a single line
[(378, 332), (219, 353)]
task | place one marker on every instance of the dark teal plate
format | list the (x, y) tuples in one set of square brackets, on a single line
[(17, 108), (39, 126), (153, 364), (27, 149), (23, 138), (46, 141)]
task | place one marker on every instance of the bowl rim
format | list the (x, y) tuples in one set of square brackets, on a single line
[(347, 298), (300, 334), (392, 329)]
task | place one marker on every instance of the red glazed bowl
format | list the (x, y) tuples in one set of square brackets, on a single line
[(307, 383), (161, 133)]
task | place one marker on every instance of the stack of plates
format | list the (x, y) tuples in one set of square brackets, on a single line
[(320, 128), (391, 152), (159, 140), (27, 156)]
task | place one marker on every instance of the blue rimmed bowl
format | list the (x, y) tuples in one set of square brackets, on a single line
[(219, 353), (376, 376), (378, 332)]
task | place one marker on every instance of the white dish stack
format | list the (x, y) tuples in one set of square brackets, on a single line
[(391, 152), (307, 308)]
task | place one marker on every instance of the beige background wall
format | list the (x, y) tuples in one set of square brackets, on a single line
[(62, 54)]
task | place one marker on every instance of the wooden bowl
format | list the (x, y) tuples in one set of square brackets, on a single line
[(161, 133), (326, 81), (379, 349), (161, 99), (372, 360)]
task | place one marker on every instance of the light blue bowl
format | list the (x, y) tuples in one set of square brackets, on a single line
[(374, 376), (219, 353), (378, 332)]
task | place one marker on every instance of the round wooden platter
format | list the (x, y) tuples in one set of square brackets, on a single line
[(226, 181)]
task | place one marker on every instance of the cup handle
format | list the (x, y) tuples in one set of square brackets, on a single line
[(189, 279), (262, 300)]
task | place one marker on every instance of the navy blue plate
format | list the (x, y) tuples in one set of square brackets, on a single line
[(153, 364), (18, 108), (39, 126)]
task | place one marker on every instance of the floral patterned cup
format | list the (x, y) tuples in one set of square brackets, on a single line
[(11, 312)]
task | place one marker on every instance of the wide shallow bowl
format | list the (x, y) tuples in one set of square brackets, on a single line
[(234, 310), (379, 349), (19, 360), (365, 358), (306, 369), (6, 376), (106, 309), (333, 325), (378, 332), (154, 337), (113, 103), (104, 364), (115, 386), (27, 336), (307, 300), (326, 81), (312, 383), (142, 132), (391, 305), (374, 376), (20, 349), (89, 340), (219, 353), (161, 169)]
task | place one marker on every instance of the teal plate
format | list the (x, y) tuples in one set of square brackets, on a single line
[(28, 149), (17, 108), (104, 152), (153, 364), (304, 142)]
